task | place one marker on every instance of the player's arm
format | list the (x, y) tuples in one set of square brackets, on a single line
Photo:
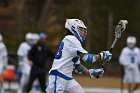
[(4, 56), (21, 54), (79, 68), (20, 60), (31, 54), (90, 58), (123, 58)]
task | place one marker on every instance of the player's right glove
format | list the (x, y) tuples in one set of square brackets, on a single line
[(96, 72), (105, 56)]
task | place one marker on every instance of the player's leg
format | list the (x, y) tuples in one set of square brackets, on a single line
[(32, 77), (136, 76), (1, 79), (129, 87), (1, 71), (1, 84), (42, 81), (24, 78), (23, 82), (136, 86), (74, 87), (56, 84), (128, 80)]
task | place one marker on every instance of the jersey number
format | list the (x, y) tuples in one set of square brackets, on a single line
[(132, 59), (59, 52)]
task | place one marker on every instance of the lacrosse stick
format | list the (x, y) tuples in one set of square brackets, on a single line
[(118, 31)]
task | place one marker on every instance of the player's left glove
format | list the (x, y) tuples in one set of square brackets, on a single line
[(105, 56), (96, 72)]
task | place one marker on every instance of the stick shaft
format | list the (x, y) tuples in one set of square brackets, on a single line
[(113, 44), (110, 50)]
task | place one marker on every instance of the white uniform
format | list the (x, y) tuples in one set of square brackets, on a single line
[(24, 64), (3, 56), (23, 52), (60, 78), (130, 59)]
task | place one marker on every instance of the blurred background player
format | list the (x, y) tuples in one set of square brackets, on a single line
[(38, 56), (3, 61), (35, 38), (130, 59), (68, 58), (30, 39)]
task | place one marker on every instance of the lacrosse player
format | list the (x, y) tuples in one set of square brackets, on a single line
[(23, 59), (68, 58), (130, 59), (38, 56), (3, 61)]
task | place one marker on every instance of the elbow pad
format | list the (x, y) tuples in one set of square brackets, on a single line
[(89, 58)]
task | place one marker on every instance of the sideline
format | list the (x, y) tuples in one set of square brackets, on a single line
[(107, 90)]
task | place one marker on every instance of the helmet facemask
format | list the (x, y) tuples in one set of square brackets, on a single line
[(131, 45), (131, 42), (77, 28), (83, 32), (29, 38)]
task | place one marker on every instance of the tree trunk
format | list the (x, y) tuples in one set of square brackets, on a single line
[(110, 29), (87, 15), (44, 15), (20, 18)]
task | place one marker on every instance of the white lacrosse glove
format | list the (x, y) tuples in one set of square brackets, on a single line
[(96, 72), (105, 56)]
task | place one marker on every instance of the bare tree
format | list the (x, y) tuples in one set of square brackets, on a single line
[(110, 29), (44, 15), (87, 15), (20, 17)]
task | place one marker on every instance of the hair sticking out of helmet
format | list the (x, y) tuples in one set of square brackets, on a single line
[(131, 41), (1, 38), (77, 28)]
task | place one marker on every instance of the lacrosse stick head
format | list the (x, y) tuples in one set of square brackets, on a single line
[(120, 28)]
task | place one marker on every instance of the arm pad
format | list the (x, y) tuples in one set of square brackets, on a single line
[(79, 68), (89, 58)]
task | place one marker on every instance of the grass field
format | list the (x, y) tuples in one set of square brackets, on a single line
[(105, 82), (102, 85), (91, 85)]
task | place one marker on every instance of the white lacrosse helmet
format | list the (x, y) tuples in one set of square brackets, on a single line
[(131, 41), (35, 37), (76, 27), (1, 38), (28, 36)]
